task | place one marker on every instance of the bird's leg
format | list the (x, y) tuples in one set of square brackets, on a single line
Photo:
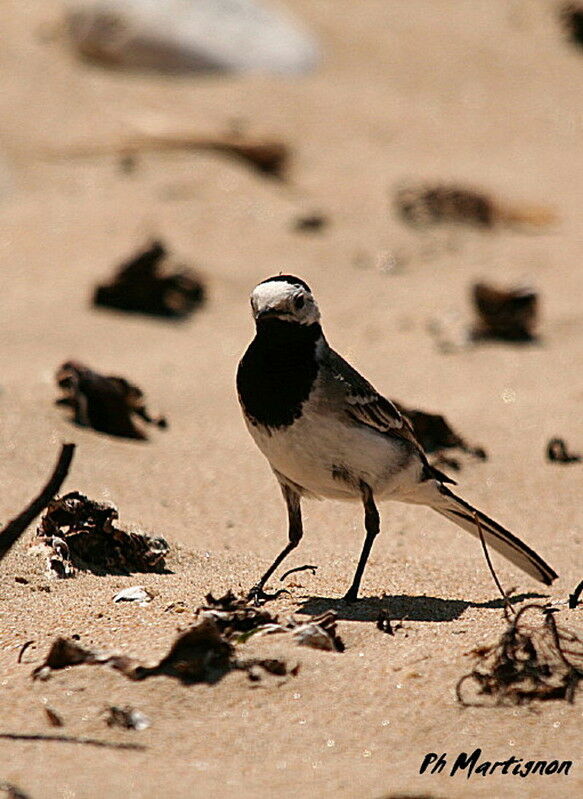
[(372, 526), (294, 513)]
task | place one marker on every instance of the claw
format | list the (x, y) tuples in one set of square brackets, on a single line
[(257, 596)]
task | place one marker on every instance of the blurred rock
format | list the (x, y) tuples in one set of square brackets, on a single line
[(507, 314), (431, 204), (151, 282), (190, 35), (422, 205), (557, 452), (572, 19), (310, 223), (108, 404)]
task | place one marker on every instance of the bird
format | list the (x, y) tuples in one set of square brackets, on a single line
[(327, 433)]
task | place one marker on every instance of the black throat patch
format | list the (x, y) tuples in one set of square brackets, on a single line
[(276, 374)]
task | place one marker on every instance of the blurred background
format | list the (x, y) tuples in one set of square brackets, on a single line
[(322, 139)]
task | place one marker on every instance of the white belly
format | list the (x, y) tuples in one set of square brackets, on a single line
[(328, 458)]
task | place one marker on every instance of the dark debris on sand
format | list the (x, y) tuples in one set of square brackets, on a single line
[(506, 314), (310, 223), (437, 437), (201, 654), (385, 623), (557, 452), (572, 19), (11, 791), (239, 620), (81, 534), (535, 658), (269, 157), (422, 205), (107, 404), (150, 283), (127, 717), (234, 615)]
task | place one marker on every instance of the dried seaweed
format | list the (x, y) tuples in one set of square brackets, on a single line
[(534, 659), (233, 615), (128, 718), (572, 19), (150, 283), (423, 205), (557, 452), (507, 314), (200, 654), (320, 633), (436, 436), (238, 621), (68, 652), (80, 534), (10, 534), (107, 404)]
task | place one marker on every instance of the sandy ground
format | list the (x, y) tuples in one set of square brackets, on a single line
[(487, 93)]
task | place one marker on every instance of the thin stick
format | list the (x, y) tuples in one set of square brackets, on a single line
[(23, 649), (307, 567), (574, 597), (16, 527), (507, 604), (69, 739)]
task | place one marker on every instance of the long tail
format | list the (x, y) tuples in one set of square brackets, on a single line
[(462, 513)]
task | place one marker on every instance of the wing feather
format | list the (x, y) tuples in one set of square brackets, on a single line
[(366, 406)]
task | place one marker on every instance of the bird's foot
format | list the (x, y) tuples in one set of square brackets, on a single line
[(257, 596), (351, 595)]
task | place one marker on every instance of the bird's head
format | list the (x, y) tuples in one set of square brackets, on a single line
[(284, 297)]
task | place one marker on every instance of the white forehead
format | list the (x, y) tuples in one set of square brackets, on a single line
[(273, 292)]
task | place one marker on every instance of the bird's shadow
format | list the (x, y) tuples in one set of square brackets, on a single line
[(402, 606)]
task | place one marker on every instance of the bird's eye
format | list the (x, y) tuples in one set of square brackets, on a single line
[(299, 302)]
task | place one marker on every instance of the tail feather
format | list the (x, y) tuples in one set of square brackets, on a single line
[(463, 514)]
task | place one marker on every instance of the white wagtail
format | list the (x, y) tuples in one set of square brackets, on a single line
[(327, 432)]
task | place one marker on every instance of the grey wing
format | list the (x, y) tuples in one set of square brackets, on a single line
[(364, 404)]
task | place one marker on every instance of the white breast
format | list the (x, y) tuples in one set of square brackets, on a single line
[(328, 457)]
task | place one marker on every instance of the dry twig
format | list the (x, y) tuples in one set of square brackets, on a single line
[(16, 527), (69, 739)]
